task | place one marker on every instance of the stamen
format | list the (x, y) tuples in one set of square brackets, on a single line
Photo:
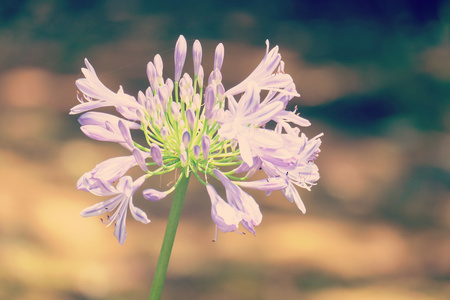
[(215, 237)]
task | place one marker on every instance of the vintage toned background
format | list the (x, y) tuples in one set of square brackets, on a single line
[(374, 77)]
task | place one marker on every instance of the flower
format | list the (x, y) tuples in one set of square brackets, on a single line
[(124, 197), (201, 129)]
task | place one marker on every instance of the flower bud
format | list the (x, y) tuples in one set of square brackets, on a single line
[(215, 77), (209, 101), (169, 84), (190, 117), (164, 132), (206, 145), (197, 56), (153, 195), (186, 138), (187, 82), (218, 56), (158, 65), (139, 157), (149, 92), (163, 93), (175, 108), (155, 152), (183, 158), (200, 77), (220, 90), (180, 56), (196, 102), (197, 151), (151, 74), (141, 98), (125, 132)]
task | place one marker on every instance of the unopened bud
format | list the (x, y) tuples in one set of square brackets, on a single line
[(200, 77), (186, 138), (197, 151), (153, 195), (206, 145), (180, 56), (183, 158), (175, 108), (158, 65), (218, 56), (190, 117), (151, 74), (155, 152), (209, 101), (197, 56), (164, 132)]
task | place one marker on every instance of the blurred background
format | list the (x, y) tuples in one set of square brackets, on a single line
[(374, 77)]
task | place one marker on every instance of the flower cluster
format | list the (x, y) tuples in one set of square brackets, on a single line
[(199, 128)]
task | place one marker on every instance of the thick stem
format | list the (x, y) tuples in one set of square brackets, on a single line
[(169, 237)]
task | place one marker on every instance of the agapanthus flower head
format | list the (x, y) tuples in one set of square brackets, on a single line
[(206, 131)]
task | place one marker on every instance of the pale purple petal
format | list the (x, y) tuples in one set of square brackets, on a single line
[(241, 201), (249, 102), (289, 116), (99, 119), (244, 167), (101, 187), (102, 207), (93, 88), (125, 131), (111, 169), (244, 149), (269, 184), (101, 134), (85, 106), (265, 114), (120, 231), (291, 193), (139, 157), (138, 214), (223, 214)]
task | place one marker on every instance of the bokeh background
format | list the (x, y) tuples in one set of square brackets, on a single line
[(374, 77)]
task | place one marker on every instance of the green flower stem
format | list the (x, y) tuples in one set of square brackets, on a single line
[(169, 237)]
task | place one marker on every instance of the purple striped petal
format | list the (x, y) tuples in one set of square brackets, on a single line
[(223, 214), (269, 184)]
